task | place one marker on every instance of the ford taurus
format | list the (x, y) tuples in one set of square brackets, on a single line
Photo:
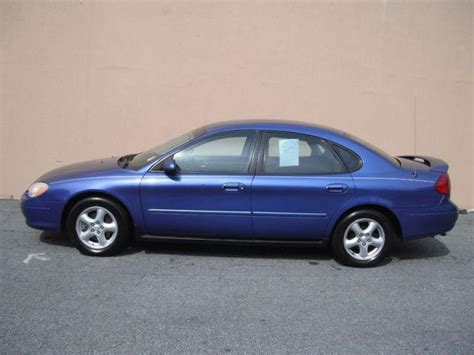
[(249, 181)]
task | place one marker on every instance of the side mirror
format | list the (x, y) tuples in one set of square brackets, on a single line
[(170, 167)]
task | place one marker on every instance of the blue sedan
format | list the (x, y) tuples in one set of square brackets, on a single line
[(249, 181)]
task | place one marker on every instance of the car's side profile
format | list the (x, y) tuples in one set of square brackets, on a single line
[(265, 181)]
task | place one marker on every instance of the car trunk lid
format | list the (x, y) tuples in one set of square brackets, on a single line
[(418, 162)]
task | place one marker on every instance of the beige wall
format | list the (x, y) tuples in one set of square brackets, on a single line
[(86, 79)]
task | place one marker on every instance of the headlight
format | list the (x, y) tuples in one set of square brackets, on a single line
[(37, 189)]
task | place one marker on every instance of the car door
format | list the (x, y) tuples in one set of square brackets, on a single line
[(209, 196), (300, 183)]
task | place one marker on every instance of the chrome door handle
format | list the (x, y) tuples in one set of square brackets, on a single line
[(336, 188), (233, 187)]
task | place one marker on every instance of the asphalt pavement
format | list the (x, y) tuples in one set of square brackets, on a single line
[(188, 298)]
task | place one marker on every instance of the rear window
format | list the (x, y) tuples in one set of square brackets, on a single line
[(351, 160)]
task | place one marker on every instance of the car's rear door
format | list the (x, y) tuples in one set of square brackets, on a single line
[(210, 196), (299, 185)]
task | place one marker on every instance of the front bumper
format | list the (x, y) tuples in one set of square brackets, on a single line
[(41, 213), (420, 223)]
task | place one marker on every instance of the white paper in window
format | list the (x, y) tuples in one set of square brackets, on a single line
[(289, 152)]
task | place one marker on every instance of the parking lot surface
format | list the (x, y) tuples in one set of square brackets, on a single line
[(182, 298)]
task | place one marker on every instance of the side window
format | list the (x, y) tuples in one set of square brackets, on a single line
[(299, 154), (274, 148), (223, 154), (230, 146), (350, 159)]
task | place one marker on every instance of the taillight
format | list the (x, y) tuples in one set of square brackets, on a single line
[(443, 186)]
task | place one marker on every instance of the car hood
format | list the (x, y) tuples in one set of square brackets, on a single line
[(92, 168)]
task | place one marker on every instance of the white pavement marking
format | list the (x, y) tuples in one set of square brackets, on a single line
[(39, 256)]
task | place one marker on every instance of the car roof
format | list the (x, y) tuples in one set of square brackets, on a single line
[(276, 125)]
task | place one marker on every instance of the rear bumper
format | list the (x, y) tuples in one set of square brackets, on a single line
[(41, 214), (428, 222)]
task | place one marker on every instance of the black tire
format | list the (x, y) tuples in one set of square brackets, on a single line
[(118, 240), (362, 218)]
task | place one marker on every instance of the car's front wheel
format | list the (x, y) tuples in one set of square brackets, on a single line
[(363, 238), (99, 226)]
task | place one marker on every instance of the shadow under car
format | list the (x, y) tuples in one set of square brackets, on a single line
[(403, 250)]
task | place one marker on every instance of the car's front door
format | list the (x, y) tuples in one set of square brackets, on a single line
[(299, 185), (209, 195)]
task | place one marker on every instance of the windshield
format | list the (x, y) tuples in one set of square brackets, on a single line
[(152, 154), (373, 148)]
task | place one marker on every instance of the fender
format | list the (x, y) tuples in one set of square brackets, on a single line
[(125, 193), (355, 202)]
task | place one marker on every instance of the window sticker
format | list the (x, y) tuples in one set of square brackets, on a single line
[(289, 152)]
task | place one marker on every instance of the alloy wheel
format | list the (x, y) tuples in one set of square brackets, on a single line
[(96, 227), (364, 239)]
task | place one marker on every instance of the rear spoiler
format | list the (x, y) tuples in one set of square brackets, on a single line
[(435, 164)]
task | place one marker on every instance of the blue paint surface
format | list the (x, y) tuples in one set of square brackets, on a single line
[(254, 205)]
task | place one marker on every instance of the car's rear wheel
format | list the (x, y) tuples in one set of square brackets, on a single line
[(99, 226), (363, 238)]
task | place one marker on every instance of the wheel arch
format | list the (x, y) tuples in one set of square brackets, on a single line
[(87, 194), (382, 209)]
